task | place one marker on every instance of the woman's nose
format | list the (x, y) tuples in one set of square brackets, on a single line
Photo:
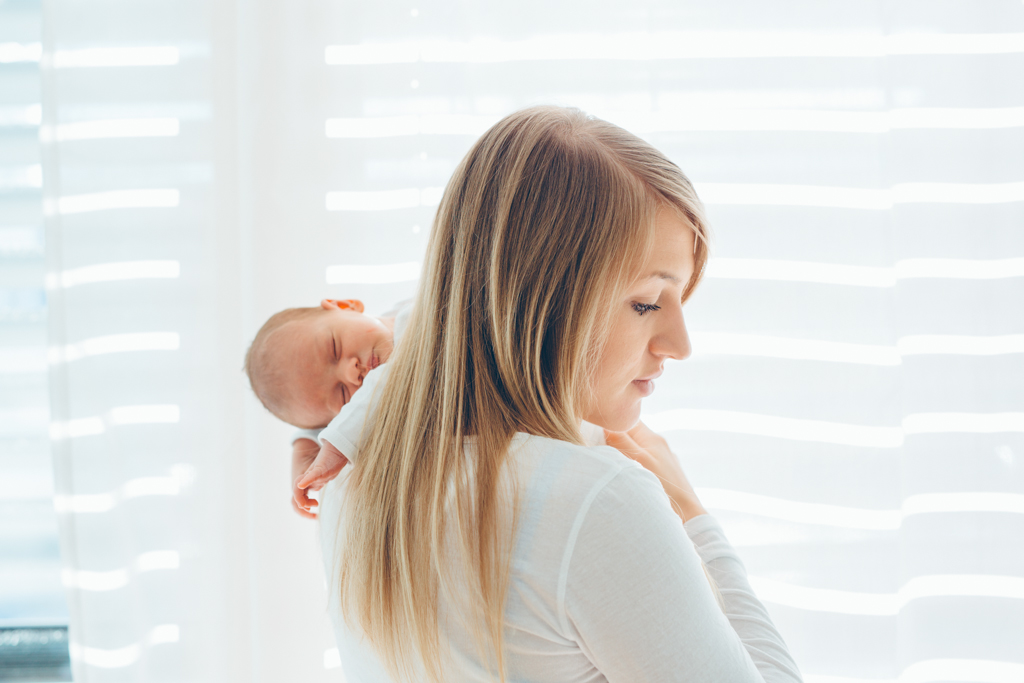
[(671, 339)]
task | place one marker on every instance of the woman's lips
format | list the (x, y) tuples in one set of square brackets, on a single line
[(645, 386), (374, 361)]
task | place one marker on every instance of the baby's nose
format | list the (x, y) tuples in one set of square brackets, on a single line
[(355, 372)]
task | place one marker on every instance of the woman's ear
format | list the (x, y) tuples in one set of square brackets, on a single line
[(343, 304)]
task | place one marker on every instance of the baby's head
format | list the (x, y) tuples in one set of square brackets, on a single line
[(305, 363)]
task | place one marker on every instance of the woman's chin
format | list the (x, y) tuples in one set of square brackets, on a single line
[(618, 418)]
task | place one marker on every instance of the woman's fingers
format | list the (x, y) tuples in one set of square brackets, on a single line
[(626, 445), (647, 438)]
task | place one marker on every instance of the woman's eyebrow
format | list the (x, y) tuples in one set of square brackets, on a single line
[(664, 276)]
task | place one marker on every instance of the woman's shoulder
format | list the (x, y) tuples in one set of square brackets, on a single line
[(595, 454), (577, 473)]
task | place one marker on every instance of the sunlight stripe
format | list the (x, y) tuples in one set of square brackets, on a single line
[(21, 115), (662, 45), (69, 429), (963, 501), (728, 344), (398, 126), (119, 578), (384, 200), (118, 199), (954, 43), (774, 426), (920, 344), (981, 117), (710, 344), (957, 193), (17, 177), (110, 272), (114, 343), (801, 271), (888, 604), (112, 128), (332, 658), (965, 670), (703, 119), (23, 359), (981, 269), (708, 119), (380, 274), (180, 478), (798, 429), (977, 423), (151, 414), (103, 658), (165, 633), (941, 670), (863, 276), (125, 656), (124, 415), (115, 56), (21, 239), (874, 199), (12, 53), (799, 512), (802, 512)]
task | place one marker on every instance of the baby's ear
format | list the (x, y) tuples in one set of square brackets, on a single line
[(343, 304)]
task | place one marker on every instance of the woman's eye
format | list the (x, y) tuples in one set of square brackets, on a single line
[(644, 308), (334, 342)]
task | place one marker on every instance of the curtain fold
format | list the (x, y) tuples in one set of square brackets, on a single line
[(852, 411)]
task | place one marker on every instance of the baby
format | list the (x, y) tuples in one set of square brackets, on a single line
[(304, 365)]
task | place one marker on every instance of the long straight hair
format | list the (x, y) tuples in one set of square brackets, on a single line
[(543, 222)]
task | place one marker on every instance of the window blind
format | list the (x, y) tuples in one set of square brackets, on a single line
[(852, 409)]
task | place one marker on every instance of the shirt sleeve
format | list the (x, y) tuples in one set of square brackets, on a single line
[(639, 605), (345, 431), (311, 434)]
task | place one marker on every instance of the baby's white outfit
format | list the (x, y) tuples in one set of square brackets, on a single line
[(606, 579)]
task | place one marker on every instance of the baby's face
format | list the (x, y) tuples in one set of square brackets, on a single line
[(323, 360)]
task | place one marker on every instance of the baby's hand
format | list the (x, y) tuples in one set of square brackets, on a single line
[(304, 452), (328, 463)]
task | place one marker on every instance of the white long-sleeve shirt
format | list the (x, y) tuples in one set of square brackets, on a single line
[(606, 581)]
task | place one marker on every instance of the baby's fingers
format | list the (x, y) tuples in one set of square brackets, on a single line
[(314, 478), (303, 512), (326, 467), (301, 496)]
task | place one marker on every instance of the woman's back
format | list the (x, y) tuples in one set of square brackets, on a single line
[(606, 583)]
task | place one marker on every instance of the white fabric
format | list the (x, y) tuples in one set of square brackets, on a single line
[(606, 583), (401, 314)]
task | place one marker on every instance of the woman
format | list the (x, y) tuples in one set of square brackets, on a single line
[(477, 536)]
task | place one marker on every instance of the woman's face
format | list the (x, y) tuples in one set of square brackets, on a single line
[(646, 328)]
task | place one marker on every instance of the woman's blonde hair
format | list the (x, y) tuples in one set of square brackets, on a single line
[(541, 225)]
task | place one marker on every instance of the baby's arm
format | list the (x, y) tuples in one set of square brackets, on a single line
[(339, 442)]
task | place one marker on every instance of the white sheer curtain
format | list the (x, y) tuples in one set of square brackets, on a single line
[(852, 412)]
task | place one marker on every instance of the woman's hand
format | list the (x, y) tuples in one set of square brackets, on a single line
[(652, 452)]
